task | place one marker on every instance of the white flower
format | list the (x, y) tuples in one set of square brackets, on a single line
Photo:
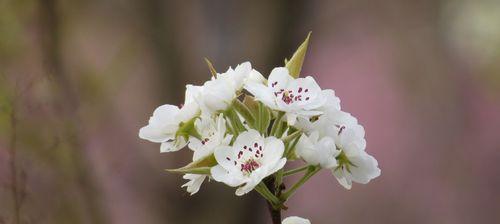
[(250, 159), (300, 97), (194, 183), (317, 151), (355, 165), (166, 120), (219, 92), (296, 220), (213, 134), (338, 134)]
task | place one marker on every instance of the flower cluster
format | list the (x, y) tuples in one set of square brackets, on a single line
[(244, 128)]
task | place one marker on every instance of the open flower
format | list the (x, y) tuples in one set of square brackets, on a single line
[(219, 92), (317, 151), (166, 121), (295, 220), (213, 134), (250, 159), (300, 97)]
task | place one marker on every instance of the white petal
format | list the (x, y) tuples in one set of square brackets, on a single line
[(163, 114), (343, 178), (277, 166), (262, 93), (366, 168), (194, 183), (256, 77), (296, 220), (225, 156), (279, 78), (273, 150), (173, 146), (154, 134), (332, 101), (219, 174)]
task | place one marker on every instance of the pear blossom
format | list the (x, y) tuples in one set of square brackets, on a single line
[(355, 165), (250, 159), (300, 97), (213, 134), (218, 93), (167, 119), (317, 151), (316, 131), (338, 135), (296, 220)]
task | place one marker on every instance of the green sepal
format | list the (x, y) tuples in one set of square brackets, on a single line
[(244, 111), (264, 118), (294, 65), (201, 166), (187, 129)]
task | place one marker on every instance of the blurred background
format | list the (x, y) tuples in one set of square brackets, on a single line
[(79, 78)]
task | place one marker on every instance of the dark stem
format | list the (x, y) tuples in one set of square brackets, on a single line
[(275, 212)]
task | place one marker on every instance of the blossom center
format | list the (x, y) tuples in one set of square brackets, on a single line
[(249, 166), (289, 96)]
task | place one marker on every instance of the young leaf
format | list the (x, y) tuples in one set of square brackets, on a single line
[(211, 67), (201, 166), (294, 65)]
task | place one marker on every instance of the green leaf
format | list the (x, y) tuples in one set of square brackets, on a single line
[(294, 65), (201, 166), (211, 67)]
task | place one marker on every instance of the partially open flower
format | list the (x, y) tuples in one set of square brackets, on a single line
[(213, 134), (250, 159), (300, 97), (317, 151), (355, 165), (218, 93)]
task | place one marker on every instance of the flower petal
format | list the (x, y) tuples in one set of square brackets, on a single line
[(296, 220)]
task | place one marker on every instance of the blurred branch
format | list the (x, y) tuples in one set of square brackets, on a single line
[(14, 187), (67, 101), (162, 29)]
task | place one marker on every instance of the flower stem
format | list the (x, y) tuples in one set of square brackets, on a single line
[(294, 171), (310, 172), (267, 194)]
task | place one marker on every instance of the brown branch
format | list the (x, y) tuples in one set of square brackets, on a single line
[(274, 212)]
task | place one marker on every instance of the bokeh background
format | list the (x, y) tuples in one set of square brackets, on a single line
[(79, 78)]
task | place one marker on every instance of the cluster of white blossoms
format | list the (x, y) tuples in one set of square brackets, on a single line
[(244, 128)]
